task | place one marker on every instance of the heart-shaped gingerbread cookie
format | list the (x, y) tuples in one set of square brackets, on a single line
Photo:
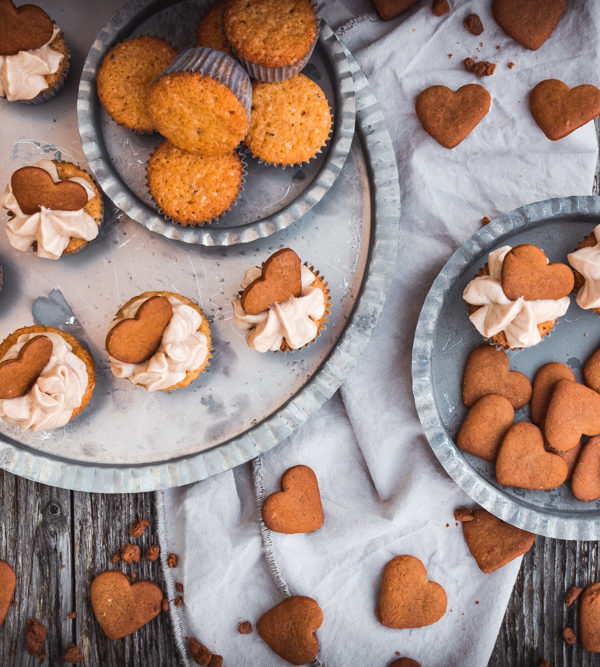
[(487, 372), (591, 371), (492, 542), (485, 425), (543, 386), (297, 508), (122, 608), (526, 273), (589, 618), (585, 483), (33, 188), (408, 599), (405, 662), (573, 411), (560, 110), (281, 279), (135, 340), (23, 29), (523, 461), (8, 581), (289, 629), (570, 457), (529, 22), (17, 376), (449, 116)]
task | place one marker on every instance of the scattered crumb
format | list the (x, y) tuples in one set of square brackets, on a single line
[(62, 567), (115, 558), (510, 65), (497, 47), (178, 601), (476, 601), (447, 525), (43, 655), (35, 636), (440, 7), (483, 68), (138, 527), (414, 30), (545, 663), (572, 594), (130, 553), (569, 636), (485, 220), (172, 560), (480, 43), (14, 603), (178, 587), (473, 24), (449, 55), (73, 654), (398, 653), (452, 610), (200, 654), (245, 628), (73, 614), (216, 660), (165, 604), (152, 553), (463, 514), (133, 575)]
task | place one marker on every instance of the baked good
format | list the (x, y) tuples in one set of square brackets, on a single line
[(34, 58), (289, 629), (8, 582), (585, 483), (297, 507), (573, 411), (210, 30), (529, 22), (543, 385), (201, 102), (46, 378), (586, 264), (54, 207), (450, 116), (570, 456), (517, 298), (473, 24), (589, 618), (440, 7), (283, 305), (124, 78), (159, 340), (591, 371), (273, 39), (193, 189), (560, 110), (405, 662), (408, 599), (389, 9), (290, 121), (484, 426)]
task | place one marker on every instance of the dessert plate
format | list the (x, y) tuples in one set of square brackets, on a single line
[(273, 198), (445, 337)]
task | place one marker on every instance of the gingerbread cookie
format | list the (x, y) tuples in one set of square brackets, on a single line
[(487, 372), (485, 425), (8, 581), (543, 386), (408, 599), (297, 508), (122, 608), (524, 462), (389, 9), (17, 376), (573, 411), (289, 629), (280, 280), (450, 116), (560, 110), (405, 662), (493, 543), (33, 188), (529, 22), (570, 457), (589, 618), (23, 29), (585, 483), (527, 273), (591, 371)]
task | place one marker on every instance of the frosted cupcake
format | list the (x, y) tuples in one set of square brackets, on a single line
[(46, 378), (283, 305), (517, 298), (586, 262), (54, 207), (34, 59), (160, 341)]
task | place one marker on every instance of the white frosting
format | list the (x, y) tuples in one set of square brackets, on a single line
[(518, 319), (587, 262), (295, 320), (182, 348), (57, 392), (51, 230), (22, 76)]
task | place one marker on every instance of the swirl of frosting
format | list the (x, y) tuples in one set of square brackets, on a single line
[(50, 230), (517, 319), (57, 392), (587, 262), (182, 348), (22, 76), (296, 320)]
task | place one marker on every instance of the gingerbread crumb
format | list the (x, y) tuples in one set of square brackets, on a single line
[(482, 68), (463, 514), (447, 525), (138, 527), (172, 560), (474, 25), (43, 655), (178, 601), (73, 654), (35, 636), (497, 47), (440, 7), (178, 587), (115, 558), (133, 575), (398, 653), (449, 55), (476, 601), (73, 614), (245, 628), (152, 553), (13, 603), (572, 594), (569, 636), (545, 663), (510, 65), (485, 220), (130, 553), (216, 660), (165, 604), (199, 653)]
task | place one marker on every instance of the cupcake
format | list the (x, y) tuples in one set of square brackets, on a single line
[(46, 378), (283, 305), (124, 78), (518, 296), (290, 121), (190, 188), (54, 207), (34, 59), (273, 39), (210, 30), (201, 102), (586, 262), (160, 341)]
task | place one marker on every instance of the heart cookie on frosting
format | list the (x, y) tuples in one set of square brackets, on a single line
[(33, 188), (17, 376), (280, 280), (529, 22), (23, 29), (526, 273)]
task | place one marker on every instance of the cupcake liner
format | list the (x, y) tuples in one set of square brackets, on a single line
[(49, 93)]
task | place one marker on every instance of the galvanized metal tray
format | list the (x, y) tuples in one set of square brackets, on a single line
[(246, 403), (445, 337), (273, 198)]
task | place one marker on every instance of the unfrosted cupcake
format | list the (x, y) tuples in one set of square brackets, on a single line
[(586, 262), (34, 59), (290, 121), (54, 207), (273, 39), (159, 340), (46, 378), (283, 305), (210, 30), (124, 78)]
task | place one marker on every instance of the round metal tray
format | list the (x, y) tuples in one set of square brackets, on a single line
[(273, 198), (445, 337)]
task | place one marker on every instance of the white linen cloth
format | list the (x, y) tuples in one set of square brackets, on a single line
[(383, 492)]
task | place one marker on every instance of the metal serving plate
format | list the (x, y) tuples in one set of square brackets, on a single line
[(246, 403), (273, 198), (445, 337)]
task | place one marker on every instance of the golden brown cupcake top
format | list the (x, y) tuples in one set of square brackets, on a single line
[(210, 30)]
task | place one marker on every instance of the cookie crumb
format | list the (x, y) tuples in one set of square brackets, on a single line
[(178, 601), (43, 655), (245, 628), (510, 65), (133, 575), (138, 527), (545, 663), (569, 636), (115, 558), (73, 654), (483, 68), (447, 525), (485, 220), (35, 636), (497, 47), (165, 604), (216, 660), (200, 654), (73, 614), (463, 514), (572, 594), (130, 553), (449, 55), (474, 25), (13, 603), (172, 560), (476, 601), (178, 587), (440, 7), (152, 553)]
